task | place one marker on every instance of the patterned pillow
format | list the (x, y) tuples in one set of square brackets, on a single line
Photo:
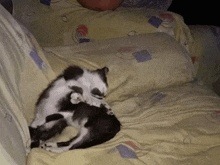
[(136, 63)]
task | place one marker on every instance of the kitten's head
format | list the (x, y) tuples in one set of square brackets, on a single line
[(93, 83), (99, 79)]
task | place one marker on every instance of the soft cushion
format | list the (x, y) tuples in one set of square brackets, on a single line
[(136, 63)]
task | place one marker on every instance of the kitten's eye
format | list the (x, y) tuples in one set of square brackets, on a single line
[(97, 94)]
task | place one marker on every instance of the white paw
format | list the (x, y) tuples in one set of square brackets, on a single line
[(52, 147), (110, 112), (56, 150), (48, 145), (105, 104), (76, 98)]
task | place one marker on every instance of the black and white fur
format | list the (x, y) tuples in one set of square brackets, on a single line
[(75, 99)]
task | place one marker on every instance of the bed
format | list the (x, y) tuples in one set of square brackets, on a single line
[(160, 82)]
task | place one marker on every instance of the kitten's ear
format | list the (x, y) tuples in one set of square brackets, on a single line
[(103, 72), (72, 72), (105, 69)]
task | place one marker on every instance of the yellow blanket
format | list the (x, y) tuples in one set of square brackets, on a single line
[(20, 79), (173, 125), (177, 125)]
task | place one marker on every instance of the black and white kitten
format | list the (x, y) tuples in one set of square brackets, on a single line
[(75, 99)]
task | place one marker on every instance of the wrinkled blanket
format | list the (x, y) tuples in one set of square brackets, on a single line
[(173, 121), (176, 125)]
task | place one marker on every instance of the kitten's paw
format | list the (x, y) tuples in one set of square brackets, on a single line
[(52, 147), (76, 98), (110, 112), (56, 150), (48, 145)]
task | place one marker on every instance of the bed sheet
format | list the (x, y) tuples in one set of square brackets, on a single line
[(177, 125), (66, 22)]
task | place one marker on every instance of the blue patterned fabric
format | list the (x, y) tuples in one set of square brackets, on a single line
[(126, 152)]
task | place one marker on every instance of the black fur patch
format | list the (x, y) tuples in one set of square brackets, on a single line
[(32, 131), (35, 144), (56, 129), (64, 144), (102, 73), (53, 117), (73, 72), (77, 89), (102, 127), (96, 92), (64, 104)]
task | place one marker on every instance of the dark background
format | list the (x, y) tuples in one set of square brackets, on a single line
[(197, 12)]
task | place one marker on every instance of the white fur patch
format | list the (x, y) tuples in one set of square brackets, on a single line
[(48, 106)]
